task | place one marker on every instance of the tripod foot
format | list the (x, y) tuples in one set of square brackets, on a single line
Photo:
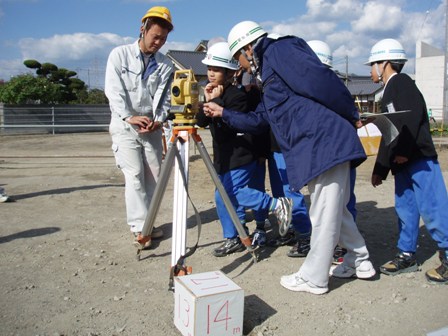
[(142, 242), (254, 255), (185, 270), (249, 248)]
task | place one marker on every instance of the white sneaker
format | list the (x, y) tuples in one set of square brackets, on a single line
[(297, 284), (364, 271), (289, 278), (283, 212), (4, 198)]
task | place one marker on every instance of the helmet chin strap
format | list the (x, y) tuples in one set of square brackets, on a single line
[(380, 75), (253, 65)]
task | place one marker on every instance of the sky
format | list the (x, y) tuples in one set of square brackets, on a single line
[(79, 34)]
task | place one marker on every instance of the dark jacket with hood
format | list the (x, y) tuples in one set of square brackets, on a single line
[(308, 108)]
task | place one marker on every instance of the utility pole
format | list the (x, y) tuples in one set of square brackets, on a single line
[(346, 69)]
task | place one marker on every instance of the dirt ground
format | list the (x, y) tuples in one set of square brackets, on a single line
[(68, 266)]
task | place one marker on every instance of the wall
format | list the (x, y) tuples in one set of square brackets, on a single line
[(53, 119), (429, 77)]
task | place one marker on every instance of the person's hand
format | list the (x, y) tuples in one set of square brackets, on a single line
[(213, 110), (376, 180), (141, 122), (212, 91), (365, 121), (400, 159), (144, 124), (358, 123)]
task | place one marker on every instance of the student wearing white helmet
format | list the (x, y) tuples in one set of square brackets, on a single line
[(313, 117), (323, 51), (412, 159), (234, 153)]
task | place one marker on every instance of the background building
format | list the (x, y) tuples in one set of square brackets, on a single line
[(429, 77)]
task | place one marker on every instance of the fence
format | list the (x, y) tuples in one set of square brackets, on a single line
[(53, 119)]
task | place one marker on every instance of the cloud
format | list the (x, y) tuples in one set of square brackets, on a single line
[(81, 52), (71, 46), (378, 17), (302, 27), (178, 46), (80, 46), (352, 27), (9, 68), (338, 9)]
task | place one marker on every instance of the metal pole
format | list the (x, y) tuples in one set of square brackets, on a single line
[(346, 70), (52, 118)]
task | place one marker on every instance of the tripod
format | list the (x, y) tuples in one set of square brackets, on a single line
[(179, 148)]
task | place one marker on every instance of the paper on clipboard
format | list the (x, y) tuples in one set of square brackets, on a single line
[(381, 120)]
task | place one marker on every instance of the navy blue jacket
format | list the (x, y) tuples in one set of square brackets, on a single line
[(308, 108)]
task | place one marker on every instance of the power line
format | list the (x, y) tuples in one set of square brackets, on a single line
[(424, 21)]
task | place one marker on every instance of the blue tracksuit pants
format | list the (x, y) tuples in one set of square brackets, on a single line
[(235, 183), (420, 192), (280, 188)]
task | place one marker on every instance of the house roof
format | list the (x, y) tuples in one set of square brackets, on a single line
[(363, 86), (183, 59), (202, 46)]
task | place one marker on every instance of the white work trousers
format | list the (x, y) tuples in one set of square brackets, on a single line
[(332, 223), (139, 157)]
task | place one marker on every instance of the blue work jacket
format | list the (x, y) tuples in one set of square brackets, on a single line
[(308, 108)]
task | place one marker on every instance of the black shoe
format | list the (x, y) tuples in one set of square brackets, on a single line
[(289, 239), (402, 263), (259, 238), (229, 246), (300, 249), (439, 275), (338, 255)]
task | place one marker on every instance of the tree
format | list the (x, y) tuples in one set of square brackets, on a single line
[(96, 96), (51, 85), (72, 90), (27, 89)]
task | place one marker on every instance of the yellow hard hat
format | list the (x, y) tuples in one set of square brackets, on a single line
[(160, 12)]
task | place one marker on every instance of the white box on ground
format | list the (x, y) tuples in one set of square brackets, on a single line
[(208, 304)]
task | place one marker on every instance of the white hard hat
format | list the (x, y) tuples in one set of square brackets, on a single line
[(387, 50), (219, 55), (242, 34), (323, 51)]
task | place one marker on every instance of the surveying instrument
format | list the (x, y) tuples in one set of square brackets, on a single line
[(184, 105)]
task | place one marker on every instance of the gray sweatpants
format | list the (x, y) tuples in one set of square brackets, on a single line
[(332, 223)]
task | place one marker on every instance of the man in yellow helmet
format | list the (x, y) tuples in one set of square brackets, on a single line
[(137, 85)]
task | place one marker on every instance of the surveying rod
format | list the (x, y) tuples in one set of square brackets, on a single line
[(245, 239)]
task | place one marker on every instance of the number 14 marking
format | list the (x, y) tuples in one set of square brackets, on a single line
[(221, 315)]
